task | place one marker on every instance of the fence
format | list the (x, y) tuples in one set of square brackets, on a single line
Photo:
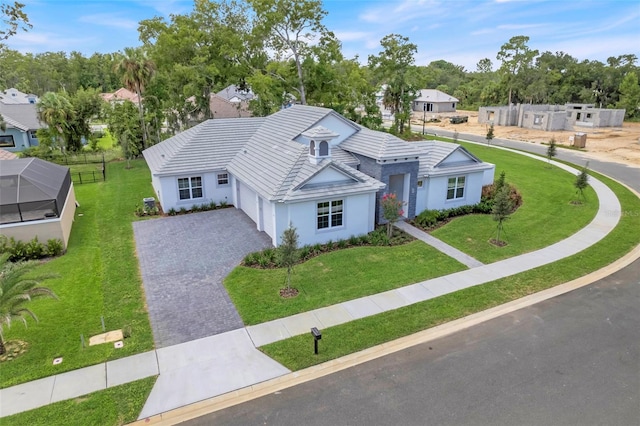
[(89, 176), (69, 160), (84, 176)]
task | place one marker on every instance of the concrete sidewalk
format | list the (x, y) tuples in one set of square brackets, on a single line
[(205, 368)]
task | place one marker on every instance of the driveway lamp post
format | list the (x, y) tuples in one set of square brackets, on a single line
[(424, 115)]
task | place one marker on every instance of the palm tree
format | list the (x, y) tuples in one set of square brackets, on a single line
[(16, 291), (56, 111), (136, 72)]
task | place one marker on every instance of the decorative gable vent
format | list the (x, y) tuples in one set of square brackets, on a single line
[(319, 143)]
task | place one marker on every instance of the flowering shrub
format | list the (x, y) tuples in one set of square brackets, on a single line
[(391, 210)]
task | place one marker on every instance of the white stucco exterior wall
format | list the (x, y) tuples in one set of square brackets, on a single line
[(166, 189), (358, 219)]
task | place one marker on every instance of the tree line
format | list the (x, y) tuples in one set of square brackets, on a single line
[(283, 52)]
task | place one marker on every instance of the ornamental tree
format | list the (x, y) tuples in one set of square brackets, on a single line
[(391, 210), (551, 150), (582, 181), (288, 253)]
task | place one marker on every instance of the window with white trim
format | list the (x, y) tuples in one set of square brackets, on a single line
[(330, 214), (455, 188), (190, 187), (223, 179)]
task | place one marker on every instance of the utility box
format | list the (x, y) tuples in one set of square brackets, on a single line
[(580, 140), (149, 202)]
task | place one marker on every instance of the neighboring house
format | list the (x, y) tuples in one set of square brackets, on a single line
[(22, 123), (435, 101), (551, 117), (312, 168), (37, 200), (120, 95), (14, 96), (231, 102)]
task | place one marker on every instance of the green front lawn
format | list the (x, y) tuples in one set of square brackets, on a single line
[(545, 217), (333, 278), (98, 277), (295, 353), (111, 407)]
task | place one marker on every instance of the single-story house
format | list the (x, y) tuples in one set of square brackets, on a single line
[(22, 123), (14, 96), (37, 200), (312, 168), (432, 100)]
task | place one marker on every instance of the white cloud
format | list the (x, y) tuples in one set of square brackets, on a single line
[(48, 42), (352, 35), (519, 26), (109, 20)]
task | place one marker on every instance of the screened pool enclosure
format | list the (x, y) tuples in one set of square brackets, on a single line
[(32, 189)]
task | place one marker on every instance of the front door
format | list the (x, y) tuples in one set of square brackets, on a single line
[(396, 186)]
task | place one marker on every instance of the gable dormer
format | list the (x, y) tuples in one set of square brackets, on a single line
[(319, 143)]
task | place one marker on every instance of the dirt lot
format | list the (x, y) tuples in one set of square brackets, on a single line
[(619, 144)]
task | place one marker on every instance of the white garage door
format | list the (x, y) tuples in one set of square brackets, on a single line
[(248, 202)]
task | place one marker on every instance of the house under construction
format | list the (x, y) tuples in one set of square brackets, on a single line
[(551, 117)]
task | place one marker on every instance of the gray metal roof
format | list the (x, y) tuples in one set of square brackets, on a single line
[(21, 116), (379, 145), (208, 146)]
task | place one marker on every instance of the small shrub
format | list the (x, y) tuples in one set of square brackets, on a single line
[(379, 237), (354, 241), (305, 252), (342, 244), (195, 208), (172, 212), (213, 205), (427, 218), (250, 259), (139, 210), (223, 204), (183, 210), (54, 247), (317, 248), (33, 249)]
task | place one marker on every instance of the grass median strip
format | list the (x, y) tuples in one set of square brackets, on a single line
[(295, 353)]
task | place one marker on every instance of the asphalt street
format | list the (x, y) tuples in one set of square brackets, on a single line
[(571, 360)]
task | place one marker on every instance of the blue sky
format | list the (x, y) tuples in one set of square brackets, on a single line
[(458, 31)]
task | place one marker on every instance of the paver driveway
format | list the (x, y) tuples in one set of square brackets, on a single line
[(183, 260)]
